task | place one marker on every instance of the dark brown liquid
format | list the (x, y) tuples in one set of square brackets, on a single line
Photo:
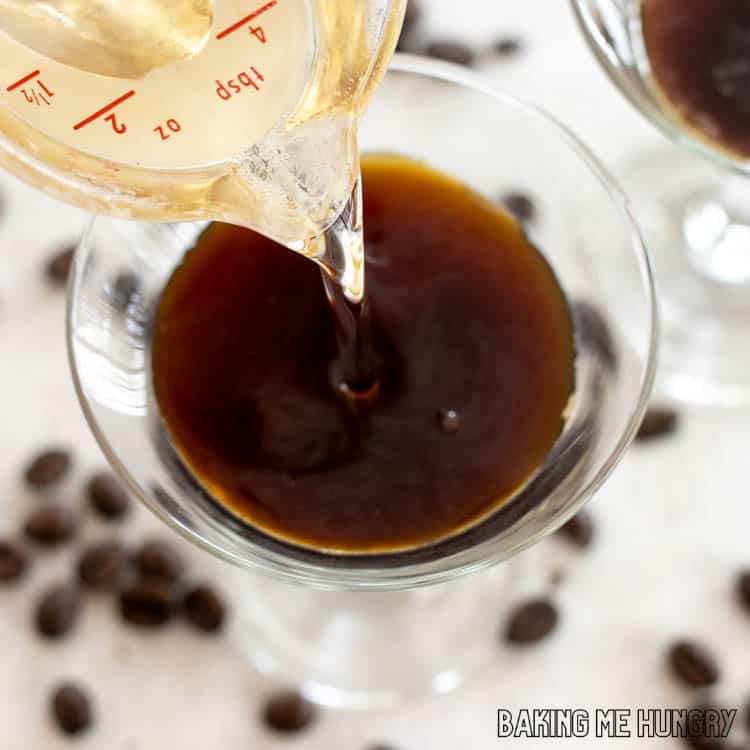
[(472, 346), (700, 56)]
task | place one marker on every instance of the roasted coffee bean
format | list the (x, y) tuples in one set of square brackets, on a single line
[(204, 608), (743, 588), (412, 17), (521, 205), (102, 565), (508, 46), (451, 51), (593, 331), (51, 524), (14, 562), (57, 611), (71, 708), (47, 468), (107, 496), (693, 664), (531, 622), (694, 730), (148, 603), (158, 559), (579, 530), (659, 422), (449, 420), (124, 287), (58, 266), (288, 712)]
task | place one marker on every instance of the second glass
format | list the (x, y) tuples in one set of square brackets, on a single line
[(692, 204), (362, 630)]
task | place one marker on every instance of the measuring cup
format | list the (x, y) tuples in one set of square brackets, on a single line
[(167, 110)]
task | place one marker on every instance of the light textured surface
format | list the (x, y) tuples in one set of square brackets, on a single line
[(671, 522)]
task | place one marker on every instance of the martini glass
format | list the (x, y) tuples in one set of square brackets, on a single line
[(691, 200), (370, 630)]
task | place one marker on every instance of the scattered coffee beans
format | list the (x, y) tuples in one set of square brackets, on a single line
[(411, 22), (14, 562), (593, 331), (58, 266), (508, 46), (743, 588), (159, 559), (451, 51), (695, 733), (48, 468), (107, 496), (693, 664), (289, 712), (50, 525), (124, 287), (204, 608), (659, 422), (102, 565), (148, 603), (531, 622), (57, 611), (579, 530), (71, 708), (521, 205)]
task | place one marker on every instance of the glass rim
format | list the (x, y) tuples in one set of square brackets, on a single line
[(410, 575), (652, 112)]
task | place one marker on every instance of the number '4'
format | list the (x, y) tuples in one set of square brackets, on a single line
[(258, 33)]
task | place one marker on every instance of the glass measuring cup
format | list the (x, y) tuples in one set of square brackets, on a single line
[(178, 110)]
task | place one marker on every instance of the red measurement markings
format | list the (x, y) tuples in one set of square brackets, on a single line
[(171, 125), (36, 92), (117, 127), (21, 81), (246, 19)]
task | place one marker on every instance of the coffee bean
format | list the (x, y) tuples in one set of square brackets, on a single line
[(579, 530), (47, 468), (593, 332), (102, 565), (57, 611), (521, 205), (51, 524), (531, 622), (148, 603), (14, 562), (693, 664), (659, 422), (694, 731), (449, 420), (123, 288), (204, 608), (451, 51), (71, 708), (288, 712), (743, 588), (508, 46), (158, 559), (107, 496), (412, 17), (59, 264)]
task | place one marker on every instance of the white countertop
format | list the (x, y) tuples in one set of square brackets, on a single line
[(670, 522)]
